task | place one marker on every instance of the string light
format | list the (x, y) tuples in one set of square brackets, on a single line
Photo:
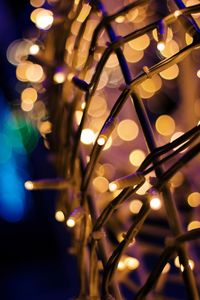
[(154, 198)]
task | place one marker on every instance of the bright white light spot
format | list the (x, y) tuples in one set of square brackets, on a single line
[(28, 185), (87, 136), (70, 223), (112, 186), (155, 203), (59, 216), (101, 141), (34, 49), (161, 46)]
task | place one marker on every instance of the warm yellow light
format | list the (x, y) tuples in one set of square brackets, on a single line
[(112, 62), (120, 19), (143, 189), (155, 203), (127, 130), (169, 34), (101, 141), (21, 71), (27, 106), (131, 54), (188, 39), (177, 13), (194, 199), (121, 266), (98, 106), (135, 206), (108, 144), (193, 225), (100, 184), (59, 216), (87, 136), (165, 125), (44, 19), (45, 127), (112, 186), (178, 265), (34, 73), (140, 43), (29, 94), (59, 77), (170, 73), (170, 49), (177, 179), (70, 223), (136, 157), (28, 185), (34, 49), (161, 46), (198, 73), (37, 3), (131, 263)]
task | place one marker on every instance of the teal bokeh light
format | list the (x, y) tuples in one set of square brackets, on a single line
[(17, 137)]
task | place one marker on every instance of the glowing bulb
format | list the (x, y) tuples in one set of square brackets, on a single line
[(131, 263), (59, 77), (28, 185), (59, 216), (121, 266), (112, 186), (87, 136), (193, 225), (177, 13), (155, 203), (34, 49), (70, 223), (161, 46), (198, 73), (44, 19), (101, 141)]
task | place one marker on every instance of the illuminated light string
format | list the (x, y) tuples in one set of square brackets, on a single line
[(101, 141)]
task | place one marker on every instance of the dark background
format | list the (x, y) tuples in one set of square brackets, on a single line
[(34, 263)]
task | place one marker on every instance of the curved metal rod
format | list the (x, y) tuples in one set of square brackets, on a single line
[(163, 259), (133, 230)]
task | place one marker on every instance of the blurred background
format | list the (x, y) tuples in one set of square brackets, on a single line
[(35, 260)]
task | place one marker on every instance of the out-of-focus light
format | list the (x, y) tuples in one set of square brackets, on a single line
[(45, 127), (34, 49), (121, 265), (112, 62), (100, 184), (28, 185), (127, 130), (108, 144), (165, 125), (44, 19), (101, 141), (37, 3), (21, 70), (170, 73), (135, 206), (194, 199), (154, 198), (161, 46), (188, 39), (177, 180), (120, 19), (112, 186), (131, 263), (34, 73), (59, 216), (198, 73), (59, 77), (155, 203), (193, 225), (98, 106), (170, 49), (140, 43), (71, 223), (87, 136), (27, 106), (29, 94), (136, 157), (131, 54), (177, 13)]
